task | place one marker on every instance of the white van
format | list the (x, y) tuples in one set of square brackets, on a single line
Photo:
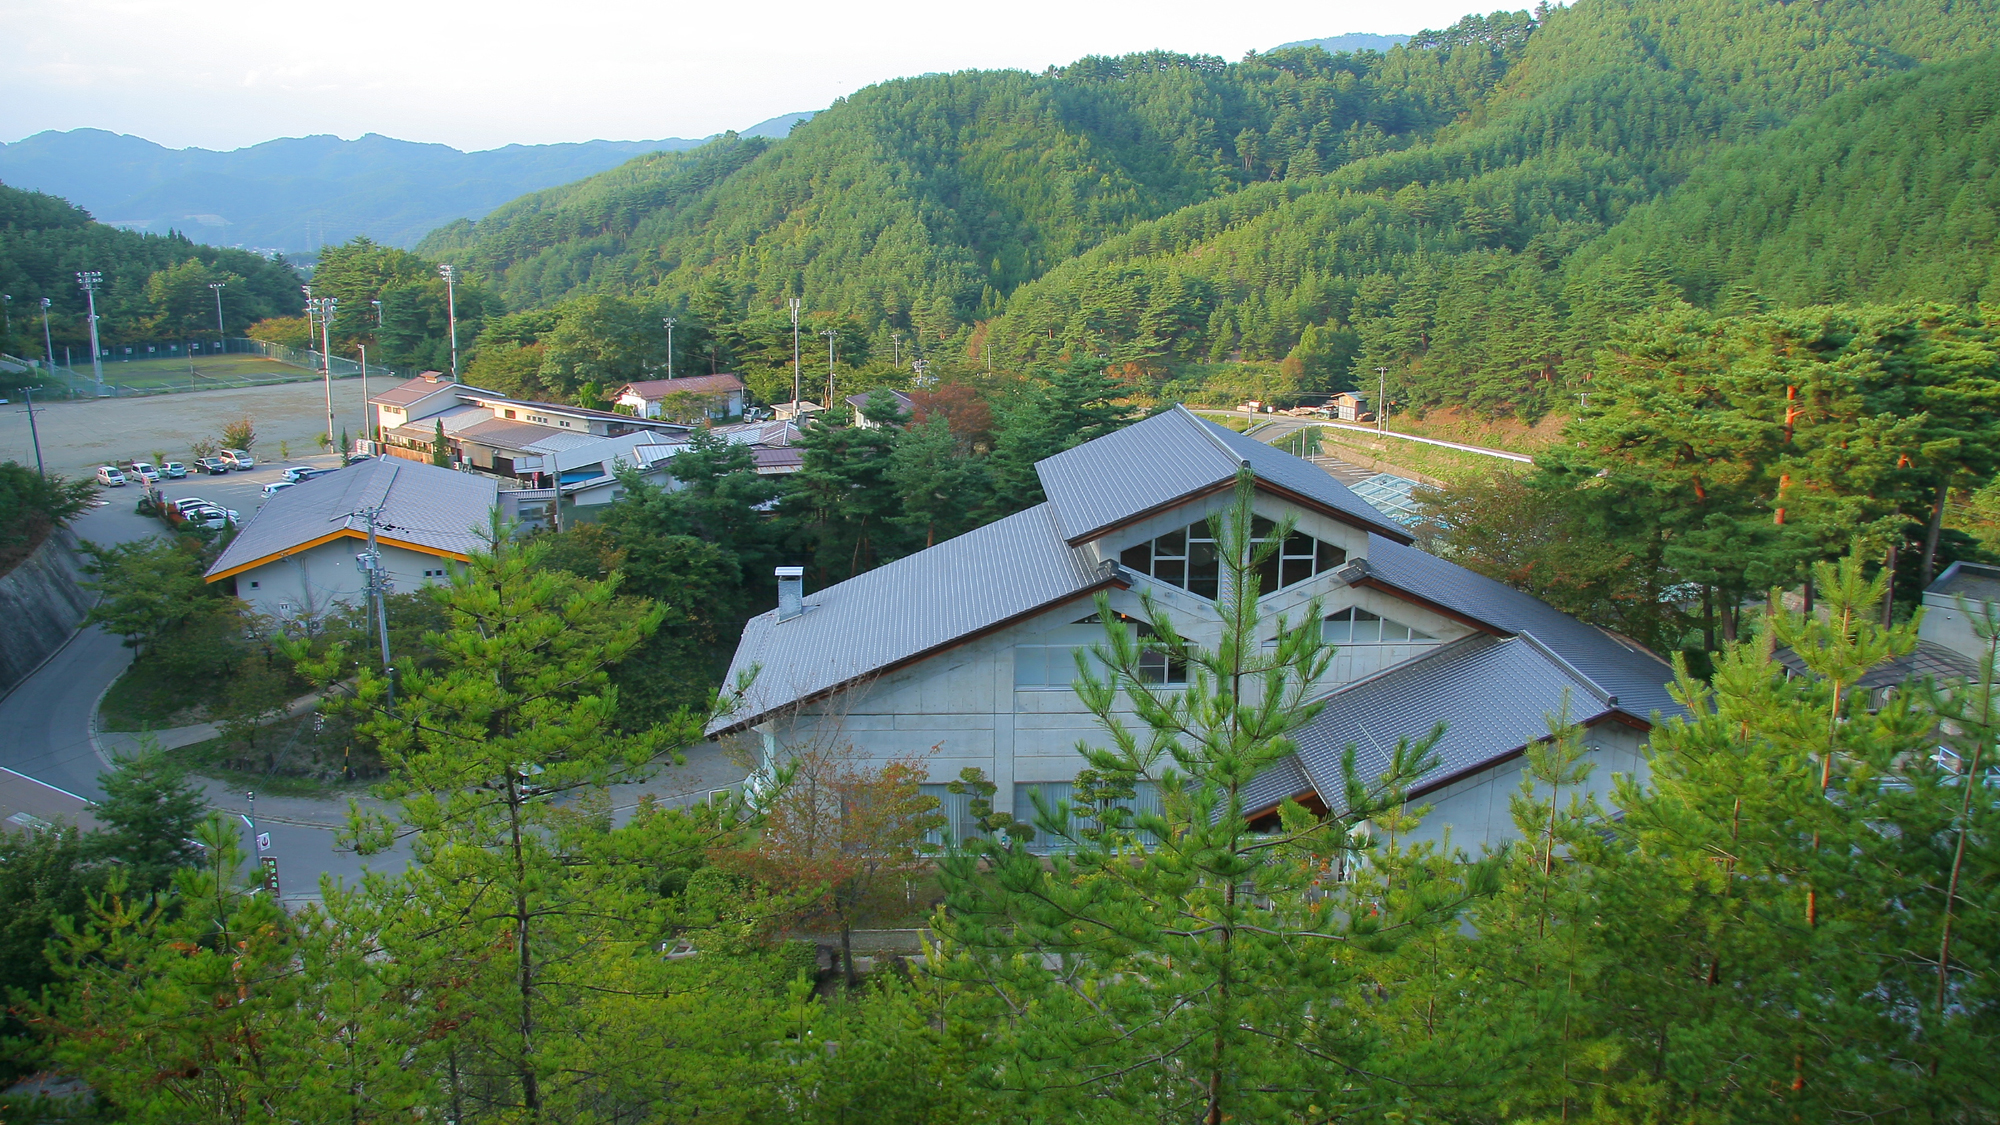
[(110, 476)]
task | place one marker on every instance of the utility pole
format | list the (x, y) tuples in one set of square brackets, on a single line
[(1381, 398), (377, 579), (7, 301), (312, 315), (451, 311), (796, 305), (48, 344), (220, 332), (669, 322), (34, 434), (831, 336), (895, 349), (88, 281), (328, 306)]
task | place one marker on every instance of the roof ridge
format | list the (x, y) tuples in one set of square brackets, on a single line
[(1202, 425), (1606, 697)]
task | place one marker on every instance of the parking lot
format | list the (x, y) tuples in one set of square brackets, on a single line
[(77, 437), (240, 490)]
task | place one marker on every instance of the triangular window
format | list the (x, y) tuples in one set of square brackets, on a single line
[(1187, 558), (1357, 626)]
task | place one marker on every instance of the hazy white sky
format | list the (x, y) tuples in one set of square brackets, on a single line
[(226, 73)]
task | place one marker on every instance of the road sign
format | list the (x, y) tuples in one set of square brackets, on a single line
[(263, 841), (270, 865)]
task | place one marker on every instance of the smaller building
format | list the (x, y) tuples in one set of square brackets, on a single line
[(1349, 407), (294, 561), (1965, 592), (906, 405), (688, 399)]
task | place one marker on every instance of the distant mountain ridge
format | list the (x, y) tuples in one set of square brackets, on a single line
[(1352, 41), (295, 194)]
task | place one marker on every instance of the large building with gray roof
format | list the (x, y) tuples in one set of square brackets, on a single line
[(964, 653)]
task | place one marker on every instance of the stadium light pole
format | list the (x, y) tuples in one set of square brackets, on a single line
[(48, 344), (451, 311), (328, 307), (88, 281), (364, 392), (669, 322), (831, 336), (220, 332), (795, 304)]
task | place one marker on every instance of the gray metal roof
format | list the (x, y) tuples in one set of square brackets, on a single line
[(1975, 582), (422, 505), (1622, 666), (1493, 695), (926, 601), (1169, 457)]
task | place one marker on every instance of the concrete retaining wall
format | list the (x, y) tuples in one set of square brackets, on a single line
[(42, 601)]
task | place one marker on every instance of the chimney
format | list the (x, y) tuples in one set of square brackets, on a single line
[(791, 592)]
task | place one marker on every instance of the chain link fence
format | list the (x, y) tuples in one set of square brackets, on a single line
[(200, 365)]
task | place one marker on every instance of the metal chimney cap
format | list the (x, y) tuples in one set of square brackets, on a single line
[(791, 572)]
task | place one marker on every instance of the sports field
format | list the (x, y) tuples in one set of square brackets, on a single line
[(203, 373)]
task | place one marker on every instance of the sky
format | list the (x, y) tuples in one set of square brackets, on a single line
[(222, 74)]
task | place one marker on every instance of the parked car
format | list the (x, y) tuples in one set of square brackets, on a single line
[(144, 471), (277, 486), (214, 519), (213, 466), (110, 476), (173, 470), (238, 459), (297, 473), (187, 505)]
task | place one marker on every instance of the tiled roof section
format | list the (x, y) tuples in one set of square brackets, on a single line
[(1493, 696), (503, 434), (410, 390), (1170, 457), (903, 400), (1927, 659), (1623, 667), (908, 608), (422, 505), (773, 459), (692, 384)]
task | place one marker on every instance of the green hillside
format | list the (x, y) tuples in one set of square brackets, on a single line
[(155, 286), (1449, 264), (1888, 193), (1470, 212), (926, 201)]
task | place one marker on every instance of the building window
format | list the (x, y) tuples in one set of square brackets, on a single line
[(253, 585), (510, 414), (1357, 626), (1187, 558), (1055, 794), (1053, 666)]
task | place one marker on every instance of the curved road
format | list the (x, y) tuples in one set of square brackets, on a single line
[(45, 721)]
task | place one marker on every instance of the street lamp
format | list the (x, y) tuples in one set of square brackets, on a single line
[(88, 281), (451, 310), (669, 322)]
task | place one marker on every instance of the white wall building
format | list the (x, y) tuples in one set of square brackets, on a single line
[(964, 651), (296, 558)]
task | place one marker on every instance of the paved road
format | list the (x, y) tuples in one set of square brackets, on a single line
[(45, 722), (45, 729)]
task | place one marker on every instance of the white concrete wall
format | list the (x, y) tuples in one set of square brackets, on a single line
[(1474, 813), (963, 708), (1946, 624), (309, 583)]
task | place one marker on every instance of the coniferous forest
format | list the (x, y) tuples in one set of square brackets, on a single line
[(1743, 250)]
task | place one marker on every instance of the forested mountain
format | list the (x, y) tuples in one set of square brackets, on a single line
[(296, 194), (1448, 264), (1470, 210), (1888, 193), (924, 202), (155, 286)]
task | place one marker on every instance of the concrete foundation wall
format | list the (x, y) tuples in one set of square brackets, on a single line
[(42, 602)]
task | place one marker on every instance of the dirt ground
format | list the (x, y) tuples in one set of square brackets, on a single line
[(79, 436)]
